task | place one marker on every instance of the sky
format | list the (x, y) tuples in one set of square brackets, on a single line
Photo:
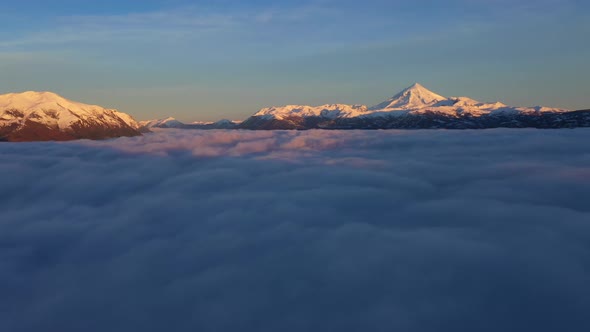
[(191, 230), (207, 60)]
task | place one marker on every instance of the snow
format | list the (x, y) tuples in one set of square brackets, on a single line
[(128, 119), (169, 122), (415, 96), (331, 111), (227, 121), (56, 111), (413, 100)]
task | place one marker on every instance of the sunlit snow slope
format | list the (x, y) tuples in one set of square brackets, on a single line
[(33, 116)]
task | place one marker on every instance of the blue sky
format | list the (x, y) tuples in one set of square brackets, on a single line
[(206, 60)]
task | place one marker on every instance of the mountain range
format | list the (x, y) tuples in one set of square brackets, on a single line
[(416, 108), (171, 122), (43, 116), (46, 116)]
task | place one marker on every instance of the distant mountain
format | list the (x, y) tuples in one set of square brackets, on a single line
[(161, 123), (416, 108), (46, 116), (173, 123)]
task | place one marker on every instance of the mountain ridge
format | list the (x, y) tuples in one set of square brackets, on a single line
[(415, 107), (171, 122), (44, 115)]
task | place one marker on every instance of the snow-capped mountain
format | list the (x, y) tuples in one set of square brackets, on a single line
[(413, 97), (173, 123), (42, 116), (331, 111), (417, 100), (169, 122), (416, 107)]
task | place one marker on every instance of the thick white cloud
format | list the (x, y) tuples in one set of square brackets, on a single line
[(298, 231)]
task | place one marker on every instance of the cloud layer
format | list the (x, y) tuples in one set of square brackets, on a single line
[(298, 231)]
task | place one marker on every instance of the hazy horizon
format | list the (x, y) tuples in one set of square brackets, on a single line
[(228, 59)]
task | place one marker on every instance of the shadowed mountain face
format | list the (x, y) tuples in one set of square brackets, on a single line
[(416, 108), (428, 120), (46, 116)]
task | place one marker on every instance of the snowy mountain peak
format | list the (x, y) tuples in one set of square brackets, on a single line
[(30, 101), (412, 97), (415, 86), (59, 117), (415, 103), (36, 94)]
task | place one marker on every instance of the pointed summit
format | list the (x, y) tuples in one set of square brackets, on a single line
[(415, 96), (415, 86)]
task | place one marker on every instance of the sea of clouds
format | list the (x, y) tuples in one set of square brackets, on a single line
[(298, 231)]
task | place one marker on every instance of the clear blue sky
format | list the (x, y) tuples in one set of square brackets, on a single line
[(206, 60)]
